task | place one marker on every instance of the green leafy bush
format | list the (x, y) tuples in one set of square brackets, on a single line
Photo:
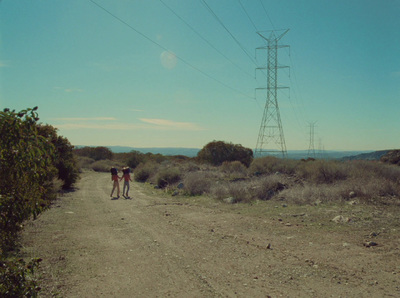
[(16, 278), (65, 161), (33, 162), (27, 167), (217, 152)]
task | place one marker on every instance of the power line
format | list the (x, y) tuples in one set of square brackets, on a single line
[(251, 21), (165, 49), (203, 38), (227, 30), (273, 27)]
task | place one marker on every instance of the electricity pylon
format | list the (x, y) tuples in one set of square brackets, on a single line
[(271, 131), (311, 148)]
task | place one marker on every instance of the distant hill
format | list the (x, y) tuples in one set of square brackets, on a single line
[(189, 152), (393, 157), (375, 155), (292, 154)]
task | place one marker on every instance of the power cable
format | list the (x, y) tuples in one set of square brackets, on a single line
[(227, 30), (251, 21), (273, 27), (203, 38), (165, 49)]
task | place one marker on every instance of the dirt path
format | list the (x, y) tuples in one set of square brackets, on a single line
[(158, 246)]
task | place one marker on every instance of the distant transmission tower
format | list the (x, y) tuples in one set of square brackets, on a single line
[(270, 137), (311, 148)]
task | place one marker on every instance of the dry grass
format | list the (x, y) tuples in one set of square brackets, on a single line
[(270, 178)]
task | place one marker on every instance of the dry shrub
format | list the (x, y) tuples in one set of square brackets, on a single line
[(233, 167), (196, 183), (368, 169), (238, 190), (145, 171), (271, 164), (374, 189), (322, 171), (311, 193), (267, 187), (105, 165), (85, 162), (220, 190), (168, 176), (264, 165)]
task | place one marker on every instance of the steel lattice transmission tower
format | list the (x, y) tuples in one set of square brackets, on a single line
[(311, 148), (270, 137)]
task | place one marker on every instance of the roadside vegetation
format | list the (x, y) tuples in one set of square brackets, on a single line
[(229, 172), (35, 165)]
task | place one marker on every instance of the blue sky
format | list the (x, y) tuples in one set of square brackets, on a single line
[(168, 74)]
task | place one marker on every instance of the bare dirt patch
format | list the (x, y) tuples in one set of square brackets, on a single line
[(155, 245)]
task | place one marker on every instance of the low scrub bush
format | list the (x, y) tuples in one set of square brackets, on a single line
[(196, 183), (105, 165), (84, 162), (267, 187), (270, 165), (234, 167), (135, 158), (144, 171), (168, 176), (322, 171)]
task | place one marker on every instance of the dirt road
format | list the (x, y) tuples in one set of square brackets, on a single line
[(158, 246)]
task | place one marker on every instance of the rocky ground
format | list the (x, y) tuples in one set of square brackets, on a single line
[(155, 245)]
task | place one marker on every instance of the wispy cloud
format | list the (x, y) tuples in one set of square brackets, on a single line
[(146, 124), (86, 119), (100, 126), (171, 125)]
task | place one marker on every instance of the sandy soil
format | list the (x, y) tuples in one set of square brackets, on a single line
[(156, 245)]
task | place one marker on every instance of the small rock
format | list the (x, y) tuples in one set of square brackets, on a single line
[(352, 194), (370, 243), (284, 205), (180, 185), (269, 246), (341, 219), (230, 200)]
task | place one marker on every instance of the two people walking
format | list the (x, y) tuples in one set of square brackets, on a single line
[(115, 178)]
